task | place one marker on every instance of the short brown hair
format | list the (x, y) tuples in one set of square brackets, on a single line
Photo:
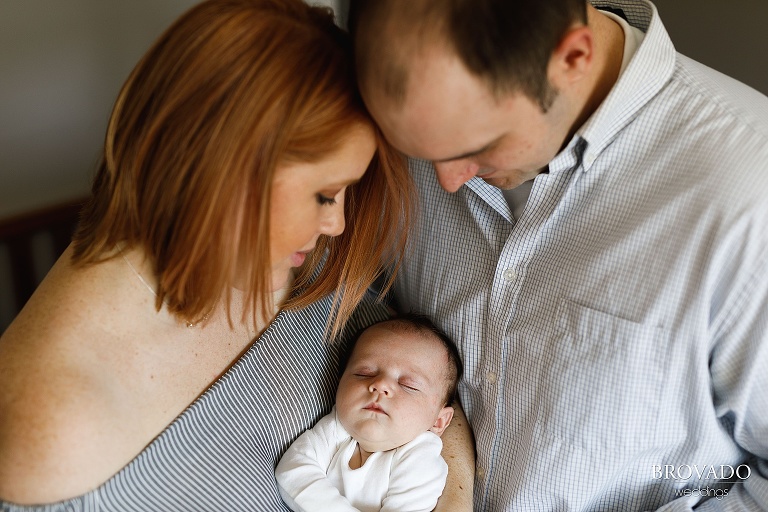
[(230, 91), (507, 43)]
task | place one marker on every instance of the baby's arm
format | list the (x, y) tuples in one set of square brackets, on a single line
[(417, 477), (301, 472)]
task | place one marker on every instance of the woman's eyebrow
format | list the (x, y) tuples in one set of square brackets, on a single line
[(344, 183)]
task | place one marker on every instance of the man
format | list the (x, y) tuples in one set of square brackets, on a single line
[(594, 235)]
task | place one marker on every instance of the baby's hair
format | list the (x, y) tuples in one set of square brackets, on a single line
[(416, 323)]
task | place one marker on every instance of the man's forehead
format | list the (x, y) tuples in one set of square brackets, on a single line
[(446, 111)]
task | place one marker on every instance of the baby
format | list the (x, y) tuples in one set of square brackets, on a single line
[(379, 448)]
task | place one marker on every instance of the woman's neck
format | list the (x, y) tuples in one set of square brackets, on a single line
[(242, 316)]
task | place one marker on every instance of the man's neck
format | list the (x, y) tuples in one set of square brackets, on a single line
[(609, 51)]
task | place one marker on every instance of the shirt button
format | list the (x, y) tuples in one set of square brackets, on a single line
[(509, 275), (589, 159), (491, 376), (480, 473)]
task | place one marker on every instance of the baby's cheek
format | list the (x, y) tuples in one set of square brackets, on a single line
[(342, 403)]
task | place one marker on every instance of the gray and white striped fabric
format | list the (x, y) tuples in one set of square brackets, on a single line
[(221, 453), (620, 325)]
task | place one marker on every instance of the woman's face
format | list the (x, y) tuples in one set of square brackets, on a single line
[(308, 200)]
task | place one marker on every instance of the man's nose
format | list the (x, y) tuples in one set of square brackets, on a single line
[(453, 174)]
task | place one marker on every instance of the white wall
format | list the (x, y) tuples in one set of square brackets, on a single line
[(728, 36), (62, 63)]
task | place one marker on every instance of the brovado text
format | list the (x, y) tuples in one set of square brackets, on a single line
[(708, 472)]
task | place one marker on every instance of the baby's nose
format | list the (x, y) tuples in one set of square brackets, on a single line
[(381, 387)]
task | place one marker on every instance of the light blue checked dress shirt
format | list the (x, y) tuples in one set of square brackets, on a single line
[(619, 327)]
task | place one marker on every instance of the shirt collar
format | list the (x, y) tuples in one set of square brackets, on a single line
[(490, 194), (646, 74)]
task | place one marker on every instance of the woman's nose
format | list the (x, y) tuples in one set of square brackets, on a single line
[(333, 222)]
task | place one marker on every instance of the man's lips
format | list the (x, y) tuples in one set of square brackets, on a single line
[(485, 173)]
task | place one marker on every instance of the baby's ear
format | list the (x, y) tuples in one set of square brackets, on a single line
[(442, 421)]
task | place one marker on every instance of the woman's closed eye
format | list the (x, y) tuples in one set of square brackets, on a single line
[(330, 196), (325, 200)]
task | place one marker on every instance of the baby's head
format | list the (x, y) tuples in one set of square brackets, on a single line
[(399, 382)]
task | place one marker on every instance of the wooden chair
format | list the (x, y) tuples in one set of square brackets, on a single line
[(18, 233)]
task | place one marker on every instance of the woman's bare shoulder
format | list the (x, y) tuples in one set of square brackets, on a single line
[(54, 400), (52, 410)]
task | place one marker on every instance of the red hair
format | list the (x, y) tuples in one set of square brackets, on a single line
[(230, 91)]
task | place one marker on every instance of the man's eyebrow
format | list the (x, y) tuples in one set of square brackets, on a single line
[(469, 154)]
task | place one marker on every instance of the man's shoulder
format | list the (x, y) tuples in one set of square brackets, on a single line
[(727, 99)]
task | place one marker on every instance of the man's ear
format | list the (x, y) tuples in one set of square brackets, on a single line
[(442, 421), (572, 58)]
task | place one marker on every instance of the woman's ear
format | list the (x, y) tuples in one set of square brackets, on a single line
[(442, 421)]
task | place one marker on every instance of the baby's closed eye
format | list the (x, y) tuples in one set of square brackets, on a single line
[(365, 372), (410, 385)]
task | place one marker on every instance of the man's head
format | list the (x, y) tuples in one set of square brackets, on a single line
[(399, 382), (480, 87)]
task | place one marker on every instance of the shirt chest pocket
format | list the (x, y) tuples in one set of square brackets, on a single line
[(601, 390)]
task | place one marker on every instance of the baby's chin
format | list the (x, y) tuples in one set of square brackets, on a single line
[(373, 446), (371, 436)]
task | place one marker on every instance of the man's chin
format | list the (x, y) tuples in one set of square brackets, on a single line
[(503, 183), (508, 182)]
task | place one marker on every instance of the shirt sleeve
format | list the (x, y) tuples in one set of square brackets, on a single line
[(302, 472), (739, 370), (417, 477)]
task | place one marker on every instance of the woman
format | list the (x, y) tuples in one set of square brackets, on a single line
[(154, 368)]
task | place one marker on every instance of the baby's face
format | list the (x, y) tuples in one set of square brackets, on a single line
[(393, 388)]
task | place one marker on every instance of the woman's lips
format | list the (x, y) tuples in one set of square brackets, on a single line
[(297, 259)]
